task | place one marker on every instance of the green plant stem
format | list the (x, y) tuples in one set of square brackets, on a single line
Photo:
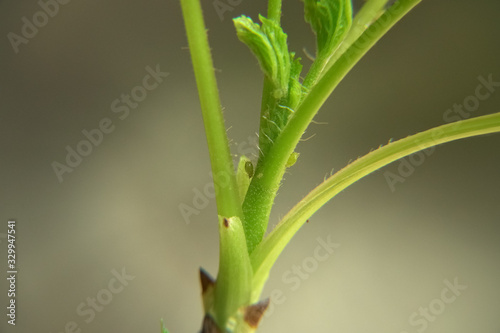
[(253, 229), (266, 253), (268, 174), (273, 13), (314, 73), (274, 10), (233, 286), (226, 190)]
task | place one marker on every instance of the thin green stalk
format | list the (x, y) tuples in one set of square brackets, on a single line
[(366, 16), (232, 288), (268, 174), (274, 10), (314, 73), (270, 248), (226, 190)]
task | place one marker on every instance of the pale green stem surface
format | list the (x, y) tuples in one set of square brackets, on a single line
[(253, 227), (232, 288), (234, 281), (266, 253), (274, 10), (226, 190)]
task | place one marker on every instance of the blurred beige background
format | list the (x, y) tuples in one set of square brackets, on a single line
[(118, 210)]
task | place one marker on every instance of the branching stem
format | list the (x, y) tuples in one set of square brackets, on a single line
[(269, 172)]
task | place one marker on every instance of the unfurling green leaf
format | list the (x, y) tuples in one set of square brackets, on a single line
[(268, 43), (330, 21), (369, 13)]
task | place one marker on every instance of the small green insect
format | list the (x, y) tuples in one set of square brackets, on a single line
[(249, 169), (244, 175), (292, 159)]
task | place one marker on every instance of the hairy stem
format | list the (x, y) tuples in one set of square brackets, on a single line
[(268, 251), (268, 174), (274, 10), (253, 228), (226, 190)]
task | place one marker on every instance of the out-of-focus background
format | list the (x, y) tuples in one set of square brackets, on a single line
[(102, 245)]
